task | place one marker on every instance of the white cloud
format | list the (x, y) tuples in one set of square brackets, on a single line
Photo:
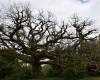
[(65, 8)]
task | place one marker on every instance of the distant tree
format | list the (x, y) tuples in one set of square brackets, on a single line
[(34, 38)]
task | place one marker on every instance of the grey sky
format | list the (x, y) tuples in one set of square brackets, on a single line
[(64, 8)]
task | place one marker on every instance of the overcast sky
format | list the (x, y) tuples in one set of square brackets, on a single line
[(63, 9)]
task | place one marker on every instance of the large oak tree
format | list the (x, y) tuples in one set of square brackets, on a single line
[(33, 38)]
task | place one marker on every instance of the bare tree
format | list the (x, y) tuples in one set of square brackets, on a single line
[(83, 31), (33, 38)]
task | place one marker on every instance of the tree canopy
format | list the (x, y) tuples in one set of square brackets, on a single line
[(33, 38)]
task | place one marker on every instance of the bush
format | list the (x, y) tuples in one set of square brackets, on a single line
[(11, 70), (51, 70), (74, 69), (46, 69)]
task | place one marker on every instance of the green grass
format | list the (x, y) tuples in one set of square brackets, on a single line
[(57, 78), (54, 78), (91, 78)]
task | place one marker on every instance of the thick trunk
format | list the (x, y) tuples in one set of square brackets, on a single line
[(57, 70), (36, 68)]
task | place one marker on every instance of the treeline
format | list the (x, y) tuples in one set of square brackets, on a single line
[(35, 45)]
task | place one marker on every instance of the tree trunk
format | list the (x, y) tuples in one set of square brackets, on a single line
[(36, 67), (57, 70)]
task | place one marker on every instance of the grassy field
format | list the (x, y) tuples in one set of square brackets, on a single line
[(91, 78), (55, 78)]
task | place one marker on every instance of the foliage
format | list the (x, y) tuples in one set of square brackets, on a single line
[(46, 69), (74, 69), (11, 70)]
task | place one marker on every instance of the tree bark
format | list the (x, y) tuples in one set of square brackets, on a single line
[(57, 70), (36, 67)]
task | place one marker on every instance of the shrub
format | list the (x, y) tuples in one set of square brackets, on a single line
[(74, 69), (46, 69), (11, 70), (51, 71)]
